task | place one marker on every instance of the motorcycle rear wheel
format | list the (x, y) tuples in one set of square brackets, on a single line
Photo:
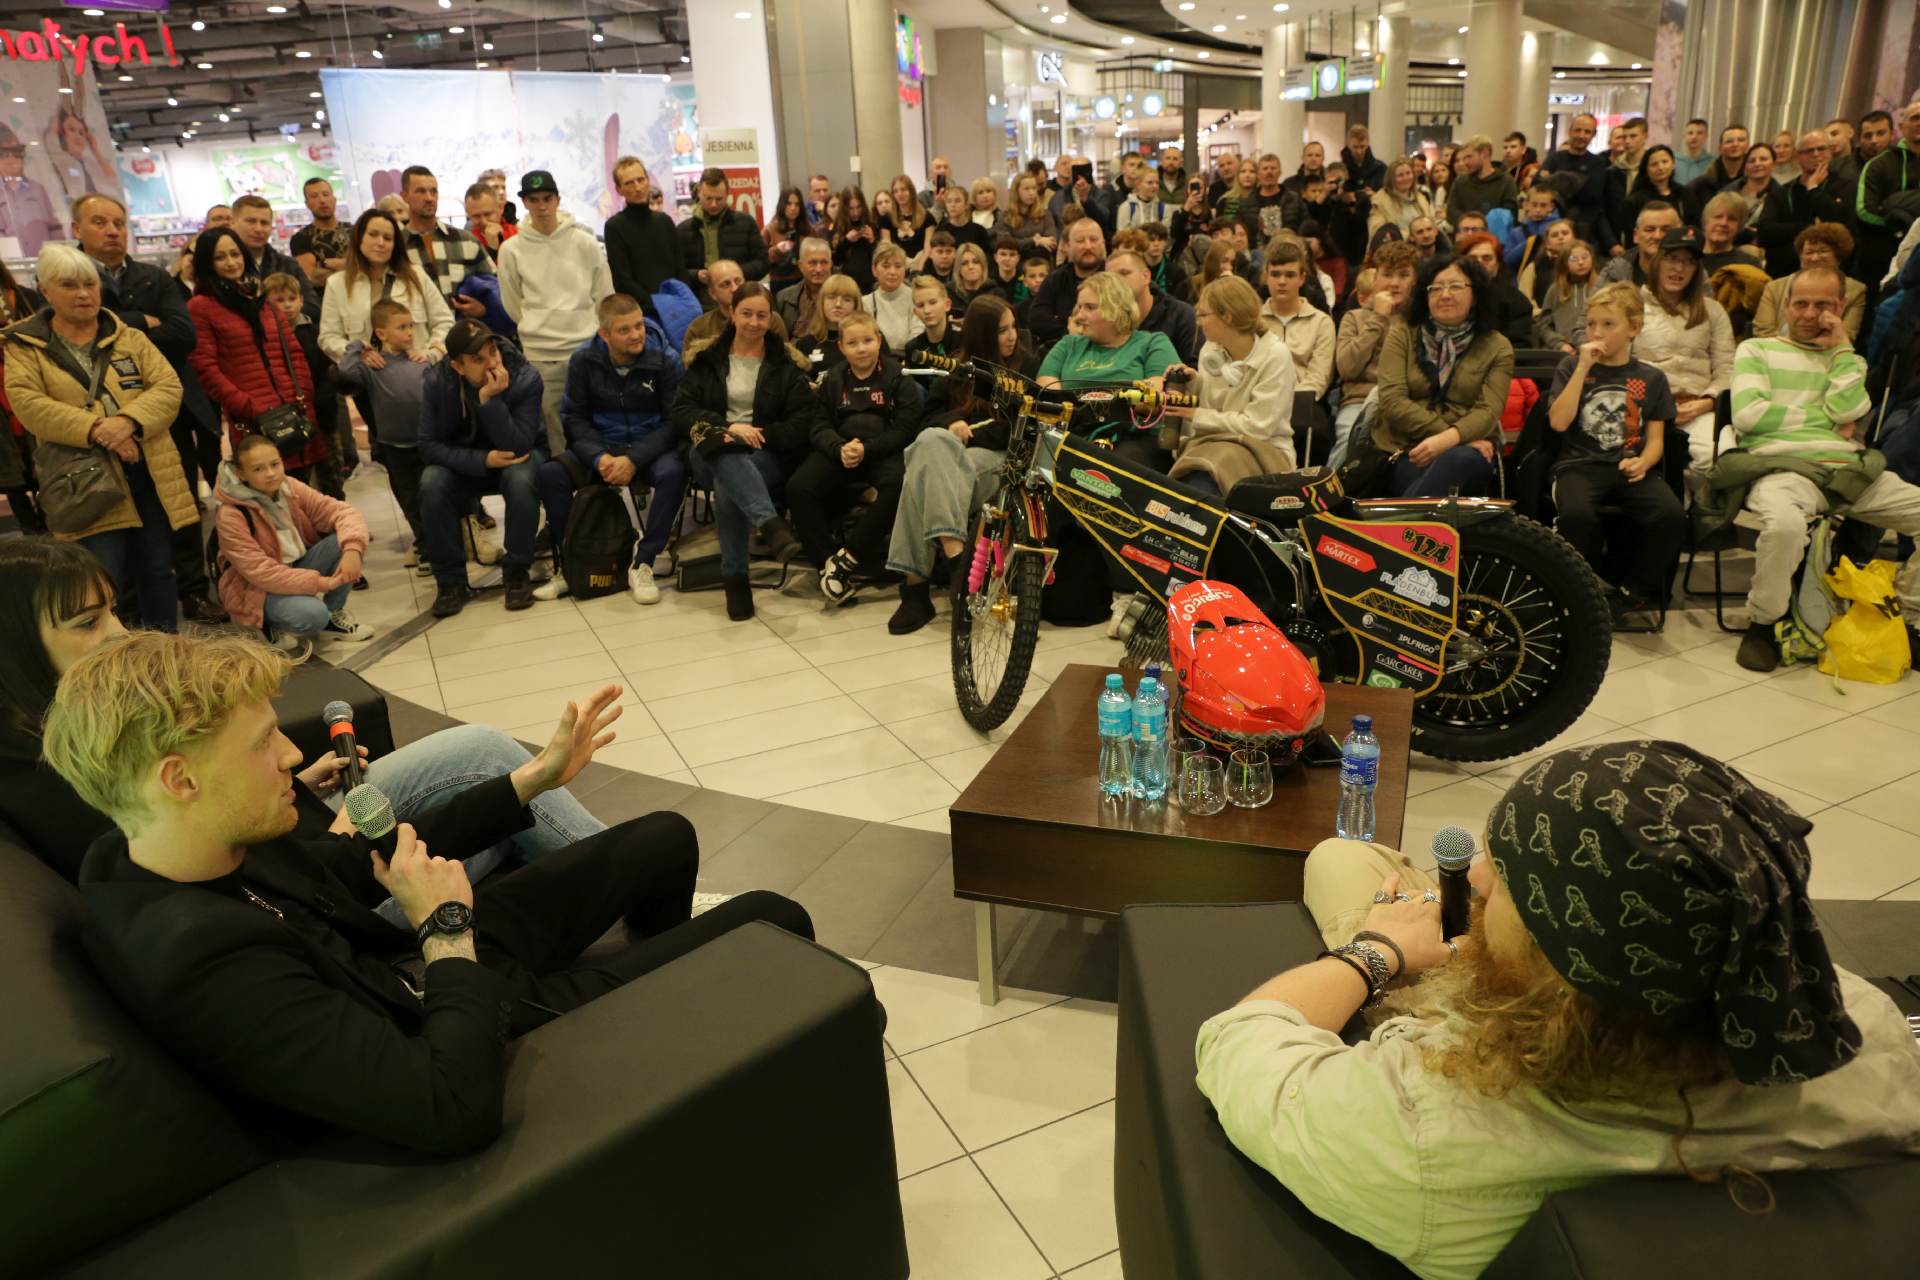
[(996, 630)]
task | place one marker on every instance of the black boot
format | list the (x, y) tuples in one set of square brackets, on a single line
[(451, 599), (519, 590), (915, 611), (739, 597), (1759, 651), (782, 546)]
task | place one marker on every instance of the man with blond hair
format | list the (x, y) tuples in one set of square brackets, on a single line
[(258, 957)]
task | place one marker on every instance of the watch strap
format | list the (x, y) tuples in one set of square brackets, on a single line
[(431, 925)]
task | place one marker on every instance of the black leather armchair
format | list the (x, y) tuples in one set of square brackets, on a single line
[(1191, 1207)]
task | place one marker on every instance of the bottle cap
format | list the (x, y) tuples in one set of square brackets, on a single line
[(1148, 684), (1113, 681), (1363, 724), (1153, 669)]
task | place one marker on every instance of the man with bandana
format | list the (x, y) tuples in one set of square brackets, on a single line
[(1640, 929)]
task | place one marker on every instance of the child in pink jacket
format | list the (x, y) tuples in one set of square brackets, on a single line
[(289, 554)]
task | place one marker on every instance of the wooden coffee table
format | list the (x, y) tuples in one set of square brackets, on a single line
[(1034, 831)]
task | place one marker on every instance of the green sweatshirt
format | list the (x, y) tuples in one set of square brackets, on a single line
[(1789, 398)]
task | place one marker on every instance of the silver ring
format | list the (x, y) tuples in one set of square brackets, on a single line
[(1403, 897), (1429, 896), (1454, 951), (1379, 896)]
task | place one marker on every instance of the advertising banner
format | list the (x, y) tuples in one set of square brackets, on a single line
[(276, 171), (737, 152), (54, 148), (144, 178)]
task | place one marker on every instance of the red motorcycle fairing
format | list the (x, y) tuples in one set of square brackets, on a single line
[(1395, 587), (1242, 682)]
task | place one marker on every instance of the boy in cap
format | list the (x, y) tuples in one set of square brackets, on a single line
[(552, 277)]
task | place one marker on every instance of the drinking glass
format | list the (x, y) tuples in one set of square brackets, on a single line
[(1180, 748), (1202, 788), (1249, 779)]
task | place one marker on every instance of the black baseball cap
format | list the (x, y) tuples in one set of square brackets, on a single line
[(1687, 238), (468, 338), (539, 181)]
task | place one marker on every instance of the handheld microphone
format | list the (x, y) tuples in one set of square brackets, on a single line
[(338, 717), (372, 817), (1453, 850)]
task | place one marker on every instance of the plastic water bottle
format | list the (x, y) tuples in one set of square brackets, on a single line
[(1168, 765), (1149, 741), (1359, 774), (1116, 733)]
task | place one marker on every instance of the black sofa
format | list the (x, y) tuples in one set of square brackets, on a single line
[(724, 1116), (1191, 1207)]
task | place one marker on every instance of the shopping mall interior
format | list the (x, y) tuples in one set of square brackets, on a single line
[(782, 439)]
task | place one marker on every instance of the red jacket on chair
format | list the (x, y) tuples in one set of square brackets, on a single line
[(227, 360)]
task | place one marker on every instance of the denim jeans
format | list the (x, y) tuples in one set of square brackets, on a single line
[(666, 475), (1462, 468), (309, 615), (145, 552), (744, 485), (447, 495), (422, 773)]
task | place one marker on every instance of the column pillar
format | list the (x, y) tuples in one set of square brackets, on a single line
[(1387, 108), (957, 100), (1531, 85), (1765, 66), (1190, 126), (724, 47), (1493, 33), (876, 92), (1283, 125), (821, 49)]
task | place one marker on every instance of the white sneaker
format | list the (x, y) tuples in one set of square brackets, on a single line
[(640, 582), (297, 648), (705, 902), (482, 544), (837, 579), (342, 627), (552, 589)]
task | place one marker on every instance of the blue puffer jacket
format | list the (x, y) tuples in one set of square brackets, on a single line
[(605, 411), (456, 430)]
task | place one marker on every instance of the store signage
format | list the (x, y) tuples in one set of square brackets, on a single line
[(1049, 68), (1296, 84), (1566, 99), (1104, 107), (1153, 104), (49, 44), (906, 56), (1330, 79), (736, 152), (138, 6), (1363, 74)]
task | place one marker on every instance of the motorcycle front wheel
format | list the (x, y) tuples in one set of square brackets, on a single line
[(1529, 649), (996, 629)]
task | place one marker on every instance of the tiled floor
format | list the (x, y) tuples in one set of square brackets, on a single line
[(816, 754)]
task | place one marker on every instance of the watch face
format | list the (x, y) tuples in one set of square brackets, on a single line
[(451, 917)]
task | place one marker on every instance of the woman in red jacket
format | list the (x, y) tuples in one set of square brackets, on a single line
[(247, 357)]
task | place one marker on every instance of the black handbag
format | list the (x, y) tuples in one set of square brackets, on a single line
[(288, 426), (78, 484)]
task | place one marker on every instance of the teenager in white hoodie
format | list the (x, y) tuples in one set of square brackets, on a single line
[(553, 276)]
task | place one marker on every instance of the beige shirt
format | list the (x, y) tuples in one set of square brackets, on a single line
[(1308, 333), (1442, 1177)]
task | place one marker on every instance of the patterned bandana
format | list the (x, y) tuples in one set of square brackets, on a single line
[(1656, 878)]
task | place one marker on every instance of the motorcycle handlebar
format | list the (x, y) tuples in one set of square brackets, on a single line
[(991, 380)]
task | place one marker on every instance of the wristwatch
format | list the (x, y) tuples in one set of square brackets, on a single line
[(447, 918)]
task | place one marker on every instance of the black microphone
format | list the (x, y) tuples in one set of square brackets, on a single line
[(372, 817), (339, 721), (1453, 850)]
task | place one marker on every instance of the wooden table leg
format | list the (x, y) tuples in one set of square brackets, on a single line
[(986, 951)]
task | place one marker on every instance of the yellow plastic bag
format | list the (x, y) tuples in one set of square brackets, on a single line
[(1869, 641)]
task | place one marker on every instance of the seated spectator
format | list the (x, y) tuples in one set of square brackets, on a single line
[(1650, 228), (1824, 244), (317, 1014), (784, 233), (891, 302), (1582, 1046), (1723, 223), (1005, 277), (723, 280), (289, 554), (1540, 209), (1168, 277), (986, 208), (619, 385), (1688, 337), (933, 309), (855, 238), (1329, 272), (871, 414), (1809, 195), (1218, 263), (1798, 400), (971, 278), (952, 465), (1479, 185), (1363, 335), (480, 433), (386, 372), (1543, 257), (797, 303), (330, 476), (1308, 333), (1056, 299), (1561, 324), (750, 413), (1659, 179), (1512, 312), (1158, 313), (820, 340), (1244, 380), (1033, 273), (1400, 201), (1029, 221), (1109, 347), (941, 250), (76, 375), (1444, 375), (1612, 412), (1424, 235), (956, 210)]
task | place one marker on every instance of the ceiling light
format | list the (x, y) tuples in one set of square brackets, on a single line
[(599, 37), (1204, 54), (685, 58), (172, 102), (446, 4), (95, 13), (1186, 6), (456, 31), (1463, 75), (194, 125), (313, 93), (1239, 17), (1279, 8), (487, 45), (666, 78), (146, 151), (380, 55), (276, 8), (303, 53), (1453, 62), (199, 26), (223, 117), (1598, 59), (743, 15), (65, 89), (993, 100), (1559, 75), (1636, 66), (1057, 19), (1126, 39), (1463, 31), (204, 66), (479, 66), (126, 79), (318, 114), (235, 110)]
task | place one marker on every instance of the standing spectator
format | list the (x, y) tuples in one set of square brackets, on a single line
[(1444, 377), (1688, 336), (483, 218), (17, 480), (796, 304), (715, 231), (784, 233), (1108, 346), (253, 224), (1824, 244), (1518, 159), (445, 256), (619, 385), (1173, 174), (245, 353), (390, 379), (1885, 203), (1400, 201), (1693, 158), (1813, 195), (1479, 186), (1656, 219), (1056, 300), (749, 412), (854, 238), (1624, 172), (1143, 206), (911, 222), (1237, 204), (1757, 182), (219, 215), (1362, 336), (552, 277), (986, 207), (496, 180), (820, 204), (1875, 134), (956, 210), (939, 178), (1726, 168), (1439, 182), (283, 291), (643, 252), (1313, 166), (1226, 174), (480, 433), (1583, 172), (26, 211), (1275, 208), (320, 247), (1365, 173), (1244, 381), (891, 301), (1659, 180), (376, 271), (291, 554), (1159, 312), (54, 362)]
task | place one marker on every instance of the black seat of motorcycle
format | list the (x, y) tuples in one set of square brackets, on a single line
[(1281, 496)]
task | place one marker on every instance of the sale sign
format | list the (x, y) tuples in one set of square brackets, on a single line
[(736, 152)]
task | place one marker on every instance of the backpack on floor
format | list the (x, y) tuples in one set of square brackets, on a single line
[(598, 547), (1802, 634)]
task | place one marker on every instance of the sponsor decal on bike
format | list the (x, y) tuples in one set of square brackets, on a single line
[(1353, 557), (1421, 543), (1417, 585), (1138, 556), (1408, 667), (1178, 519), (1381, 680), (1287, 502), (1097, 482), (1398, 634)]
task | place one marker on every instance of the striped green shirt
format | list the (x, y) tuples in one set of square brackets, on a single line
[(1788, 398)]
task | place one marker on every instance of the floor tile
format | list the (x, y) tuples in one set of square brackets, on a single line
[(777, 852), (392, 674), (536, 677), (427, 695), (769, 730), (1804, 680), (1856, 857), (1059, 1183), (931, 820), (864, 642), (1095, 650), (1425, 773), (1107, 1268), (889, 667), (959, 767), (812, 624), (1739, 722), (558, 651), (653, 755), (1658, 687), (1590, 726), (878, 797), (957, 1229), (1895, 803), (767, 773), (744, 697), (714, 648), (518, 710), (532, 625), (856, 893), (1719, 655), (1905, 893), (946, 731), (1840, 761), (1020, 1074), (721, 818), (908, 699), (490, 611), (647, 627), (654, 681), (1463, 804), (1684, 630), (933, 934), (632, 795), (920, 1138)]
